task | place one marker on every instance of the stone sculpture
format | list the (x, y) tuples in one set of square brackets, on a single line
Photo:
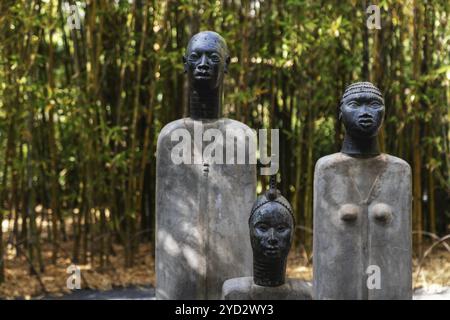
[(362, 210), (202, 202)]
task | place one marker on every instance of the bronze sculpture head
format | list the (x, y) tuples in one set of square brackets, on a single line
[(206, 61), (271, 226), (362, 112)]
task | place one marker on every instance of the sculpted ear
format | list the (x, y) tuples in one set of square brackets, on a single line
[(185, 64), (227, 62)]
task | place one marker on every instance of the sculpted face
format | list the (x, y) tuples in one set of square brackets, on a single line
[(271, 230), (206, 60), (362, 113)]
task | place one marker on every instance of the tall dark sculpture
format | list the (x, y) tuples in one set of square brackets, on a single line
[(201, 199), (362, 210), (271, 226)]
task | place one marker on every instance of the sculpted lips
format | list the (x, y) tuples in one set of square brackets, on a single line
[(202, 75), (366, 121)]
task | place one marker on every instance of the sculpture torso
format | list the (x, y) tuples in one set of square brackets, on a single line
[(202, 210), (361, 218), (362, 210)]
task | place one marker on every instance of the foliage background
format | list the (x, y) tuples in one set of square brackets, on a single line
[(80, 110)]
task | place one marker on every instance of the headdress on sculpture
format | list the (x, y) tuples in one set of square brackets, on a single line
[(360, 87), (273, 195)]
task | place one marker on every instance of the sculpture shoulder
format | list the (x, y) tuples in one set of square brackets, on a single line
[(234, 124), (341, 159), (398, 163), (331, 160), (237, 283), (170, 127), (236, 287)]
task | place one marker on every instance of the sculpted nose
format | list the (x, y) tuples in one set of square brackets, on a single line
[(272, 240), (203, 63), (365, 112)]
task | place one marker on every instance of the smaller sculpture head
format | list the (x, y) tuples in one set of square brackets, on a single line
[(271, 226), (362, 110), (206, 61)]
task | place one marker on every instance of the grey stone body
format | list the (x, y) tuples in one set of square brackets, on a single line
[(201, 218), (353, 230), (245, 289)]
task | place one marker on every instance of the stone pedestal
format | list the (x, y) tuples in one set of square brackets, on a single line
[(362, 228), (245, 289), (201, 216)]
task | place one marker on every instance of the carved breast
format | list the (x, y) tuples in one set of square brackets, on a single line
[(349, 212), (380, 212)]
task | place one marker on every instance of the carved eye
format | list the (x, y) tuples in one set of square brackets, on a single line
[(375, 105), (215, 58), (262, 227), (193, 57), (353, 104), (281, 228)]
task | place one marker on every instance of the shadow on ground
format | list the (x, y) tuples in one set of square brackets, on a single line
[(130, 293)]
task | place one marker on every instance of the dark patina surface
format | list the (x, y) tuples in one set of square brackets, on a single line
[(206, 62), (362, 113), (271, 226)]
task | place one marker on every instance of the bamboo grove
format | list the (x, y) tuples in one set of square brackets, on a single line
[(81, 108)]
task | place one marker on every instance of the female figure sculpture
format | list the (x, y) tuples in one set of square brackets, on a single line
[(362, 210)]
